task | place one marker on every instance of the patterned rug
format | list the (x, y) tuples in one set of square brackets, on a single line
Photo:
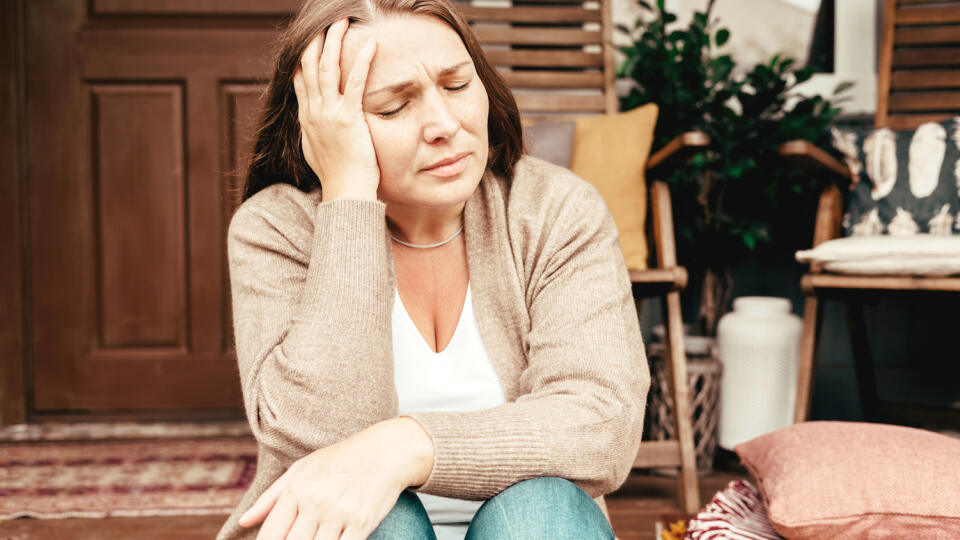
[(124, 478)]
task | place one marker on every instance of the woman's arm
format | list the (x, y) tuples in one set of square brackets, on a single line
[(313, 336), (583, 391), (312, 331)]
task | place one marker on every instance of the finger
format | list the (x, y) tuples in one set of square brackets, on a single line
[(352, 532), (328, 531), (258, 512), (304, 528), (308, 66), (328, 69), (279, 521), (301, 92), (357, 81)]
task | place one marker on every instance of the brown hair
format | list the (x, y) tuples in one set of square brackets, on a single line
[(277, 154)]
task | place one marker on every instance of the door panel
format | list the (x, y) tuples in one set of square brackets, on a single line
[(139, 124)]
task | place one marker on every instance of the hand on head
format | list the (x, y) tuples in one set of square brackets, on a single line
[(335, 137)]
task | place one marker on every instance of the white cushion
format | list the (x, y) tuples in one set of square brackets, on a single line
[(922, 254)]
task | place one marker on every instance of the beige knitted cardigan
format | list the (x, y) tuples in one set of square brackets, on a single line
[(313, 288)]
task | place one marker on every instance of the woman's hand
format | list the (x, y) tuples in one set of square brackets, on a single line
[(345, 490), (335, 137)]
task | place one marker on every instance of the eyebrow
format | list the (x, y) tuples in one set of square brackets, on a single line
[(403, 85)]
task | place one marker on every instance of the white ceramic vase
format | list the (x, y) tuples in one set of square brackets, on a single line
[(757, 343)]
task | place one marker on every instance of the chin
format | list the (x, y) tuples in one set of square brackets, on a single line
[(433, 192)]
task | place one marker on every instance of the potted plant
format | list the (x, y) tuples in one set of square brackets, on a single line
[(738, 195)]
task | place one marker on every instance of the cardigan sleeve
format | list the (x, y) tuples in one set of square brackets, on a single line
[(580, 411), (311, 326)]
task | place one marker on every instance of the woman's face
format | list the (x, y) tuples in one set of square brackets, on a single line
[(426, 108)]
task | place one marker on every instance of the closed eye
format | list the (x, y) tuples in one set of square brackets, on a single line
[(456, 88), (388, 114)]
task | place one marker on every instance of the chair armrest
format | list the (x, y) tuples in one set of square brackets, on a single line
[(805, 155), (677, 151)]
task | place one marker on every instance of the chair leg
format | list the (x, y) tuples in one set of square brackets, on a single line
[(812, 315), (677, 373), (866, 378)]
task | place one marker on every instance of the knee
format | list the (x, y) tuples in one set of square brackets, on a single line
[(546, 507), (407, 519)]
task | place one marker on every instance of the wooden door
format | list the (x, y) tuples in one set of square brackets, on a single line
[(137, 113)]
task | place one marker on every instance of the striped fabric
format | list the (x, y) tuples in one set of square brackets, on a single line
[(736, 513)]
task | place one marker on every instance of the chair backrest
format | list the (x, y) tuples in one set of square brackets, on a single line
[(919, 72), (557, 58)]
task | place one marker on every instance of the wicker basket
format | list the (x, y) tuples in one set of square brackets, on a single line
[(703, 376)]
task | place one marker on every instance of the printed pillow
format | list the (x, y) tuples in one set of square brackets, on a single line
[(912, 179), (736, 513), (846, 480)]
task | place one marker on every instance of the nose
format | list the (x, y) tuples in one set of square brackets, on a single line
[(439, 122)]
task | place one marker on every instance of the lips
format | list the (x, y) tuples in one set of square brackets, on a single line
[(446, 161)]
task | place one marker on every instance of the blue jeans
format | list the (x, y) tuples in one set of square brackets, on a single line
[(533, 509)]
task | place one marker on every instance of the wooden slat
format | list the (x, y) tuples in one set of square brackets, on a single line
[(544, 102), (658, 454), (924, 101), (677, 151), (675, 278), (945, 56), (553, 79), (548, 15), (928, 14), (885, 64), (808, 156), (912, 121), (532, 118), (908, 283), (502, 35), (941, 78), (195, 7), (542, 58), (927, 35)]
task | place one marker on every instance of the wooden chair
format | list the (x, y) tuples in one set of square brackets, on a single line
[(918, 73), (559, 62)]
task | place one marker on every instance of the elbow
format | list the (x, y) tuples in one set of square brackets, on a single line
[(269, 430), (615, 451)]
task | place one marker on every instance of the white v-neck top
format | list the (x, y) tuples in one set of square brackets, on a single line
[(461, 377)]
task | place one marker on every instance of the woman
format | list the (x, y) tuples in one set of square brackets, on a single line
[(434, 334)]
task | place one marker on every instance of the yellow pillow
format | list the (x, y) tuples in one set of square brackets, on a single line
[(610, 151)]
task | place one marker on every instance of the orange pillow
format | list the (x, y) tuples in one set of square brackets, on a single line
[(610, 151), (846, 480)]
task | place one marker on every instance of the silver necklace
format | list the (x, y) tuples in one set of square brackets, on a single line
[(447, 241)]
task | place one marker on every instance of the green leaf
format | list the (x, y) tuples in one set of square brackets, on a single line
[(843, 86), (803, 75), (644, 4), (722, 36)]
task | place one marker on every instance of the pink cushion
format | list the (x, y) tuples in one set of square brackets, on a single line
[(855, 480)]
